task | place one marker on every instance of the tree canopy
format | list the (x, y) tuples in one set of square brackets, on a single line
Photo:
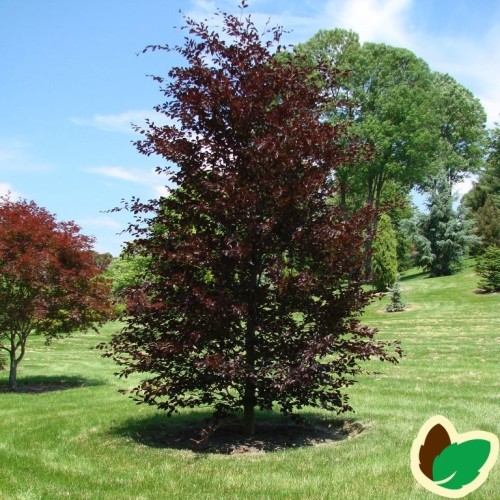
[(256, 278), (50, 283), (462, 132), (125, 272), (488, 269), (418, 122)]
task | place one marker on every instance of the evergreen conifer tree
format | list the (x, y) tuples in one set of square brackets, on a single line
[(488, 223), (483, 200), (396, 304), (385, 259), (488, 268), (488, 184), (443, 235)]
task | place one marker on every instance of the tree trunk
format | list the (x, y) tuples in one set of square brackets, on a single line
[(13, 371), (249, 396), (370, 230), (249, 410), (368, 277), (15, 359), (373, 199)]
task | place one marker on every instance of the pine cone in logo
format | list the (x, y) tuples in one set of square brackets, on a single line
[(435, 442)]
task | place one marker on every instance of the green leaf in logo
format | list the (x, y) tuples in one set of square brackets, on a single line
[(459, 463)]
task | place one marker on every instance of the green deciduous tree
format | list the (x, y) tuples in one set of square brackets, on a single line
[(385, 260), (103, 260), (462, 133), (256, 278), (417, 122), (126, 272), (389, 90), (488, 183)]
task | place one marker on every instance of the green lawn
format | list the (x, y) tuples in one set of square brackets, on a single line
[(84, 441)]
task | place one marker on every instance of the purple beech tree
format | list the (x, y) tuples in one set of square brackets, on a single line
[(253, 286)]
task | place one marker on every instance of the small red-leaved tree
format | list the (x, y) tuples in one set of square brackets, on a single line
[(50, 282), (254, 277)]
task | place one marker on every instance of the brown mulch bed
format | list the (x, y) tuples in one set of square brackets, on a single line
[(228, 439)]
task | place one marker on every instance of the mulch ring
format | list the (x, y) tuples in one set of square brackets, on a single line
[(37, 388), (228, 439)]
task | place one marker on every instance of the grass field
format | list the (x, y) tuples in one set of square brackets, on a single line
[(84, 441)]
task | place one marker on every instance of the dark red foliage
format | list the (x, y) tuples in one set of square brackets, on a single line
[(257, 277), (50, 282)]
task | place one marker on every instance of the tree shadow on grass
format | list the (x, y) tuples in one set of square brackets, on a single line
[(41, 384), (415, 276), (273, 432), (480, 291)]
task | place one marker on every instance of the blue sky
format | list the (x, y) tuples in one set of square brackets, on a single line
[(71, 84)]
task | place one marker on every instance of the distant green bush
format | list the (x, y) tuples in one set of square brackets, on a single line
[(488, 269)]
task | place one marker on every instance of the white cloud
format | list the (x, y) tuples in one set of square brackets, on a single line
[(121, 173), (204, 6), (473, 62), (460, 188), (492, 108), (104, 222), (121, 122), (15, 156), (161, 190), (299, 27), (373, 20), (7, 190), (144, 177)]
